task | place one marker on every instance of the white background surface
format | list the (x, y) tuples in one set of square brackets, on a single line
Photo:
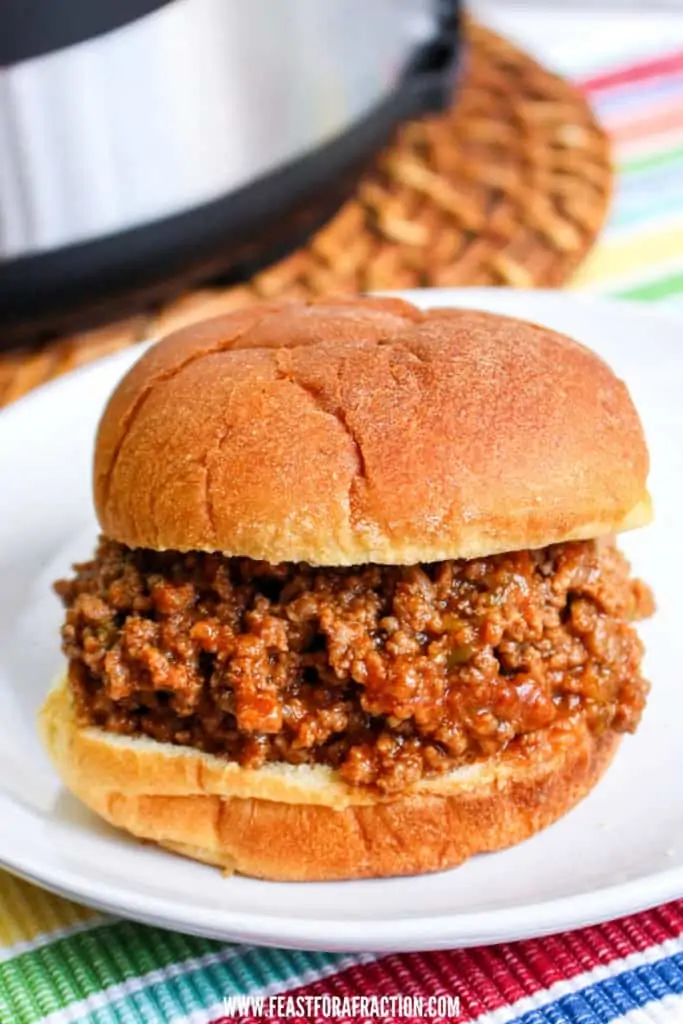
[(577, 38)]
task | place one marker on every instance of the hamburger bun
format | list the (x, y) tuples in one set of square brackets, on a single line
[(289, 823), (359, 431)]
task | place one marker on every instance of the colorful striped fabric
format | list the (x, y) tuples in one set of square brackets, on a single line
[(61, 963), (640, 255)]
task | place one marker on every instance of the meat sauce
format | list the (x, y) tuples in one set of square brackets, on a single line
[(386, 673)]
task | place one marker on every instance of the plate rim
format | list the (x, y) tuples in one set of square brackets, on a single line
[(414, 933)]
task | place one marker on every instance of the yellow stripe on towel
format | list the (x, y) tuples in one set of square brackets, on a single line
[(28, 912)]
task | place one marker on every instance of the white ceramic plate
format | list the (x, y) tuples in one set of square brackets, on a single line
[(621, 850)]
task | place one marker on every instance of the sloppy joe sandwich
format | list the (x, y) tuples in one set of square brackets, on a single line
[(357, 607)]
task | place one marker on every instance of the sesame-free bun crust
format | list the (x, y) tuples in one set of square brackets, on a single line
[(302, 823), (364, 430)]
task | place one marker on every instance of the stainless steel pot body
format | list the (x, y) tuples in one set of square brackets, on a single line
[(184, 105)]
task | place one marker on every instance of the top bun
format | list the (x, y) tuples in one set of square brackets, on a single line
[(364, 430)]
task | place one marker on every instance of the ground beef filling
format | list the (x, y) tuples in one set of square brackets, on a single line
[(387, 673)]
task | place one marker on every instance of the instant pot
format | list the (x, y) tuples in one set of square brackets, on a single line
[(145, 144)]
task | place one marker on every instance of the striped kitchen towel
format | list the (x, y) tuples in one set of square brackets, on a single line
[(640, 255), (62, 963)]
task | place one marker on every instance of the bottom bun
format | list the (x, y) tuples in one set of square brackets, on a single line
[(317, 830)]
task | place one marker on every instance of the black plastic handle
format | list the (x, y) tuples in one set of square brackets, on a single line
[(433, 72), (31, 28)]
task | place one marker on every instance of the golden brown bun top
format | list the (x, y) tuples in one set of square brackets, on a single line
[(365, 430)]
